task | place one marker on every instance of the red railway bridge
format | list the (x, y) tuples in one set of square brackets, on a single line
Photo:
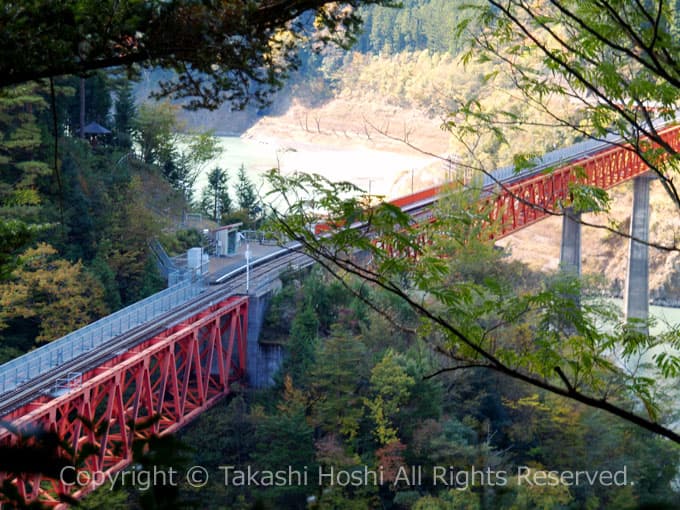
[(172, 363)]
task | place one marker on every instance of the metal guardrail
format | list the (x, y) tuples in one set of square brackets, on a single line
[(69, 382), (165, 263), (258, 236), (37, 362), (554, 158), (258, 261), (551, 160), (167, 266), (24, 368)]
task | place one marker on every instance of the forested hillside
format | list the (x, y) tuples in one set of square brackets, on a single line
[(424, 369), (360, 419), (415, 26), (86, 208)]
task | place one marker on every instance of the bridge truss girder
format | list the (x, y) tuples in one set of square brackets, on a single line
[(530, 200), (166, 380)]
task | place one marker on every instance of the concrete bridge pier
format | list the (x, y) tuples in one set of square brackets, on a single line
[(636, 295), (570, 252), (264, 360), (570, 249)]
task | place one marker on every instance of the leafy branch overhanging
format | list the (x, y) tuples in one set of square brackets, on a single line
[(355, 231)]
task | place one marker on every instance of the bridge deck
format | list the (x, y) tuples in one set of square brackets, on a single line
[(519, 199)]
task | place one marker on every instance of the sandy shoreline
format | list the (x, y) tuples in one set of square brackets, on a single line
[(379, 172), (336, 142)]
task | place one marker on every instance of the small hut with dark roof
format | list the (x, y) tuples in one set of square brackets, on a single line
[(95, 132)]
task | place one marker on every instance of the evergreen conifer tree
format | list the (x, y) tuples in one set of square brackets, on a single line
[(124, 114), (245, 192), (216, 200)]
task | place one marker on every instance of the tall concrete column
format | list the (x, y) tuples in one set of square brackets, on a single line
[(264, 359), (636, 296), (570, 249)]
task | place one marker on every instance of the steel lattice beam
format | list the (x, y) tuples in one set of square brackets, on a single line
[(173, 376), (523, 202), (516, 205)]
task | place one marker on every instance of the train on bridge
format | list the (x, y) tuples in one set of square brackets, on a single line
[(176, 353)]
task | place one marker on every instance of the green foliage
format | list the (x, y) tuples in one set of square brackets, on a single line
[(293, 437), (416, 25), (156, 132), (245, 192), (125, 249), (481, 421), (225, 437), (150, 280), (280, 314), (179, 157), (574, 52), (587, 198), (486, 317), (22, 171), (338, 373), (618, 73), (76, 206), (21, 139), (14, 235), (8, 353), (106, 498), (107, 277), (124, 114), (97, 101), (391, 387), (215, 200), (58, 295), (302, 344), (238, 216), (180, 241), (348, 398), (229, 52), (222, 437)]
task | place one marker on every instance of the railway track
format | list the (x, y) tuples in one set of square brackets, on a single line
[(261, 272), (234, 282)]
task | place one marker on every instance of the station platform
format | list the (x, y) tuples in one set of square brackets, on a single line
[(218, 266)]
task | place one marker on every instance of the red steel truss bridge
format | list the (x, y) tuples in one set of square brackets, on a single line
[(164, 361), (520, 199), (177, 353)]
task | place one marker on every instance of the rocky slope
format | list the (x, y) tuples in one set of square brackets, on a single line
[(394, 148)]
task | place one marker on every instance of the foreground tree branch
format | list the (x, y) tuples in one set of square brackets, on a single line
[(225, 50), (615, 62), (463, 311), (480, 169)]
